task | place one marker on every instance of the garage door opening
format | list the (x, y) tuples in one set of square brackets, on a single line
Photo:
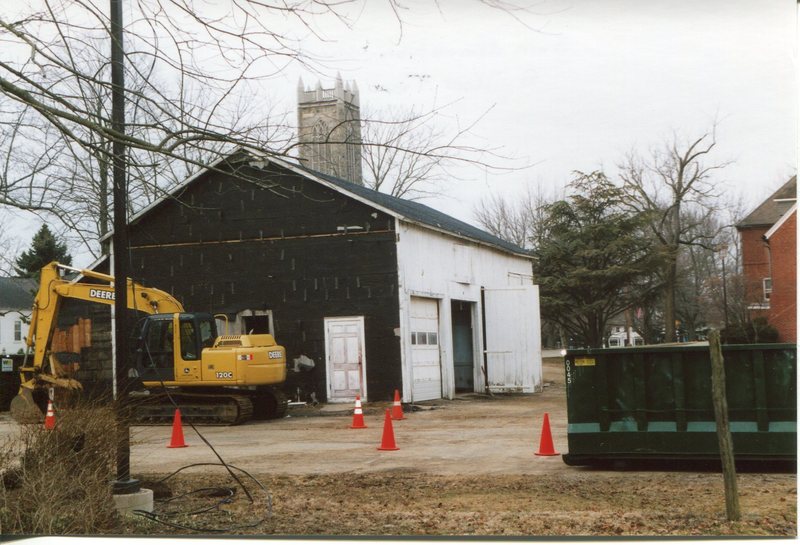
[(463, 346)]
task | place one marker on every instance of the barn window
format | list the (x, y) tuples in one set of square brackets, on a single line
[(255, 322)]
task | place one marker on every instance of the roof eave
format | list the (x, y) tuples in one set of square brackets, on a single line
[(171, 193), (780, 222), (267, 158), (301, 172)]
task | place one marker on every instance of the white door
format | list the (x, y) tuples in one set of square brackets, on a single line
[(426, 366), (345, 358), (513, 339)]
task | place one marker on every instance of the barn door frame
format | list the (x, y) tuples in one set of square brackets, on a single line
[(362, 356)]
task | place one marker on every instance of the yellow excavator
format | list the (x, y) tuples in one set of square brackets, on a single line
[(179, 358)]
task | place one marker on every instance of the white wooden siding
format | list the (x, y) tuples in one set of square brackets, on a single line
[(445, 268), (7, 319), (513, 338)]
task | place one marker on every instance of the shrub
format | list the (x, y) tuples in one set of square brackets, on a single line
[(57, 482), (755, 331)]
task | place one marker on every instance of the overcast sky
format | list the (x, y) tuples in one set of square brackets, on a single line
[(587, 81), (575, 84)]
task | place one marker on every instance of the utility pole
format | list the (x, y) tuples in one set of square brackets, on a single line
[(123, 483)]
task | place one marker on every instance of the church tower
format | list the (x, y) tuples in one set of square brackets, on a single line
[(329, 129)]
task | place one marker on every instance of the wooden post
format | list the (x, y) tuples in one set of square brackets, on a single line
[(723, 430)]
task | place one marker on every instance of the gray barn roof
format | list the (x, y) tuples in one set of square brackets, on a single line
[(772, 209), (419, 213), (17, 293)]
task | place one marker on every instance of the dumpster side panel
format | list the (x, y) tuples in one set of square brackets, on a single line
[(655, 402)]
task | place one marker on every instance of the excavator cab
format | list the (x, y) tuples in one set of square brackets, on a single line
[(157, 345)]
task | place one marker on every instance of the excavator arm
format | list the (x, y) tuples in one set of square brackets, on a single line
[(45, 371), (53, 289)]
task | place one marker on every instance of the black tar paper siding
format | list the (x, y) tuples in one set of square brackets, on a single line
[(226, 245)]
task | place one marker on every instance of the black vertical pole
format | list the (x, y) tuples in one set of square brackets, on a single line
[(485, 348), (124, 484)]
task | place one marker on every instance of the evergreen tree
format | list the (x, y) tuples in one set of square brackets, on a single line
[(45, 248), (595, 259)]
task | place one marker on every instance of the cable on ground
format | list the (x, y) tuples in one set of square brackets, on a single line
[(229, 468)]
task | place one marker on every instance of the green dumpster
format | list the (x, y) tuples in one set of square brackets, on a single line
[(654, 402)]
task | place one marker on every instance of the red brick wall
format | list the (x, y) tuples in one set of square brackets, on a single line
[(783, 303), (755, 265)]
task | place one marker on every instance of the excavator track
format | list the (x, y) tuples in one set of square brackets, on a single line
[(270, 403), (205, 409)]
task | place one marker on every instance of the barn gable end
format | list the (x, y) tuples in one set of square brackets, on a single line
[(280, 244)]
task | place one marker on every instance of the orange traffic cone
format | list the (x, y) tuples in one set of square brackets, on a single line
[(397, 408), (546, 441), (50, 417), (177, 432), (358, 416), (387, 441)]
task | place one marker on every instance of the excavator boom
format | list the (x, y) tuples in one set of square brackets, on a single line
[(53, 289)]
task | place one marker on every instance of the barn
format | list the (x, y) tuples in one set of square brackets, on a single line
[(369, 293)]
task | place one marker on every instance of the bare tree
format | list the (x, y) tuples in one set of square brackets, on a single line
[(192, 77), (9, 247), (407, 153), (701, 291), (673, 181), (55, 112), (521, 220), (73, 181)]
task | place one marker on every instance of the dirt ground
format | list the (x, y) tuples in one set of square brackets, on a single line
[(464, 467), (472, 435)]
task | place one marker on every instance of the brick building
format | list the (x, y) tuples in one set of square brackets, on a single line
[(781, 241), (769, 260)]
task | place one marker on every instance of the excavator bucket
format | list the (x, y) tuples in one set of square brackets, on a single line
[(24, 409)]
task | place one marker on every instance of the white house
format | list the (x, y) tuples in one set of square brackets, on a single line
[(16, 301), (620, 337)]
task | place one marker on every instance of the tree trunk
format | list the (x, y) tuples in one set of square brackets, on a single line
[(669, 313), (594, 337), (669, 301)]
